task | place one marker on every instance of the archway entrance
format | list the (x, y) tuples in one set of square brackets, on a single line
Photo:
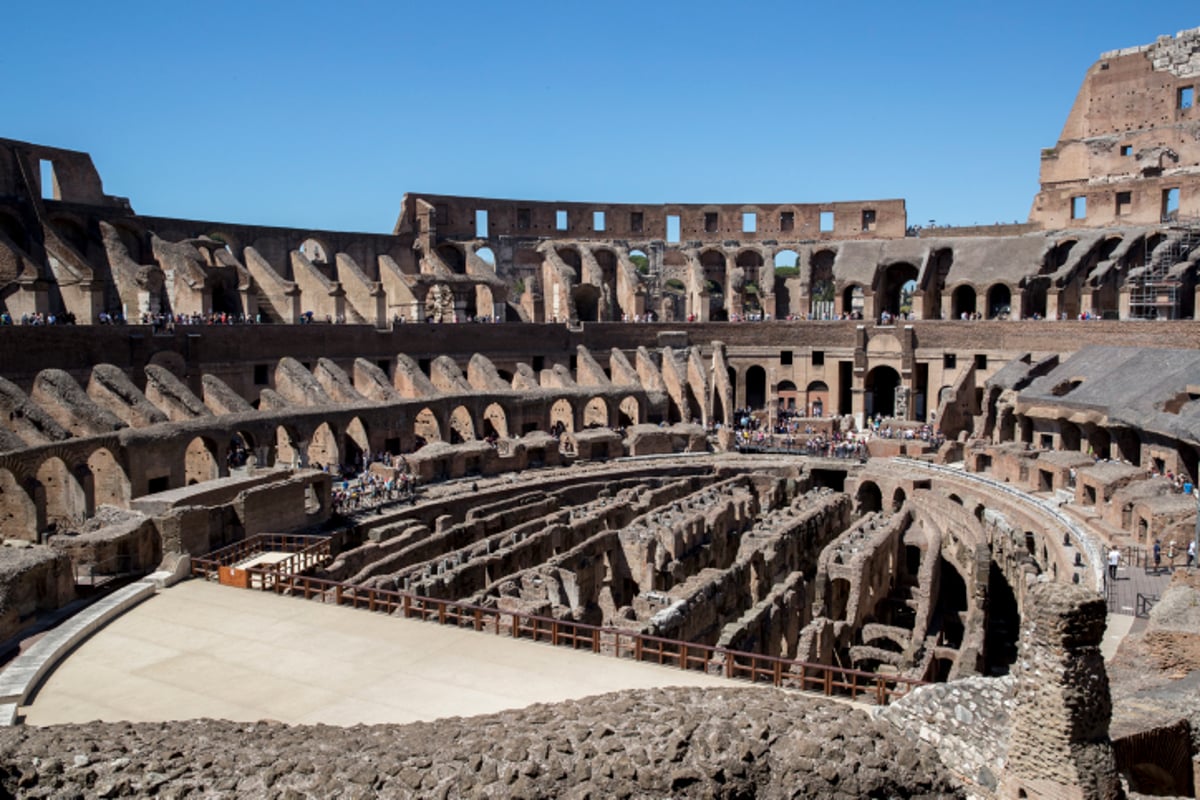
[(881, 385)]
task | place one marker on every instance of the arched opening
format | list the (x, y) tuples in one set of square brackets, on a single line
[(495, 422), (786, 259), (1129, 445), (712, 264), (1034, 299), (641, 261), (896, 289), (816, 398), (355, 445), (562, 417), (1069, 435), (486, 255), (237, 455), (951, 604), (606, 260), (426, 428), (786, 396), (323, 448), (839, 597), (595, 413), (881, 385), (962, 302), (869, 498), (18, 511), (898, 498), (110, 483), (756, 387), (316, 252), (999, 301), (1002, 626), (453, 258), (853, 301), (586, 297), (629, 412), (750, 262), (200, 461), (822, 290), (786, 268), (287, 447), (462, 427)]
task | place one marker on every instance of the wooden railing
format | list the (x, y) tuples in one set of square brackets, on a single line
[(306, 553), (616, 642)]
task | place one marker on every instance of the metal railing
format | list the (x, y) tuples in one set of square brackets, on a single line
[(615, 642), (1143, 604)]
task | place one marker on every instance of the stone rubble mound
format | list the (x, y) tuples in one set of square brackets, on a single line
[(678, 743)]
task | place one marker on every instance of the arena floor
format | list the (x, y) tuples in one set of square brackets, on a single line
[(200, 649)]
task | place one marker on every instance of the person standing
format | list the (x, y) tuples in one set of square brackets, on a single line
[(1114, 558), (1157, 556), (1191, 554)]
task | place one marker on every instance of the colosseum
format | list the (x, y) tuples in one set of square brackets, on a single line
[(895, 481)]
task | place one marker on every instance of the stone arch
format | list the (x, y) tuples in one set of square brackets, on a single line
[(756, 387), (786, 258), (1099, 442), (65, 501), (356, 442), (881, 385), (595, 413), (854, 300), (816, 398), (487, 256), (110, 482), (629, 412), (898, 498), (999, 301), (426, 427), (200, 462), (18, 511), (1069, 435), (786, 396), (495, 422), (323, 447), (288, 447), (586, 297), (462, 427), (316, 250), (822, 288), (962, 301), (896, 286), (562, 416), (868, 498)]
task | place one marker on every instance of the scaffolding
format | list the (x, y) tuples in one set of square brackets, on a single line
[(1157, 287)]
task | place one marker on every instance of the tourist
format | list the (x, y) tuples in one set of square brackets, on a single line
[(1191, 553), (1157, 556), (1114, 558)]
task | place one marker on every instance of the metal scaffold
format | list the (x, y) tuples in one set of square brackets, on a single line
[(1158, 286)]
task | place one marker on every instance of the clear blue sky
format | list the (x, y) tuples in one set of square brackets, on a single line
[(308, 115)]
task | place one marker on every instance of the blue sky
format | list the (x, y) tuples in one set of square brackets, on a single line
[(312, 115)]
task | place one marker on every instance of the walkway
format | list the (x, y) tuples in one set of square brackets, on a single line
[(202, 650)]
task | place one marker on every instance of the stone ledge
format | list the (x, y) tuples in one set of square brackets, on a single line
[(22, 676)]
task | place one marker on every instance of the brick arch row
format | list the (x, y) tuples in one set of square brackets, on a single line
[(61, 485)]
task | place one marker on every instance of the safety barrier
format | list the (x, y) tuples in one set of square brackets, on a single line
[(756, 668)]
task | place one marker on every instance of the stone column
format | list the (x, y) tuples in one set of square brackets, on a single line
[(1059, 746)]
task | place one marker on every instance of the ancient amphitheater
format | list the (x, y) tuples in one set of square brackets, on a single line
[(872, 472)]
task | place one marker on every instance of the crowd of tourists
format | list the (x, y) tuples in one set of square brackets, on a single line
[(360, 488)]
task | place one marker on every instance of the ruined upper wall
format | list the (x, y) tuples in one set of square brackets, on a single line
[(74, 176), (446, 216), (1131, 144)]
